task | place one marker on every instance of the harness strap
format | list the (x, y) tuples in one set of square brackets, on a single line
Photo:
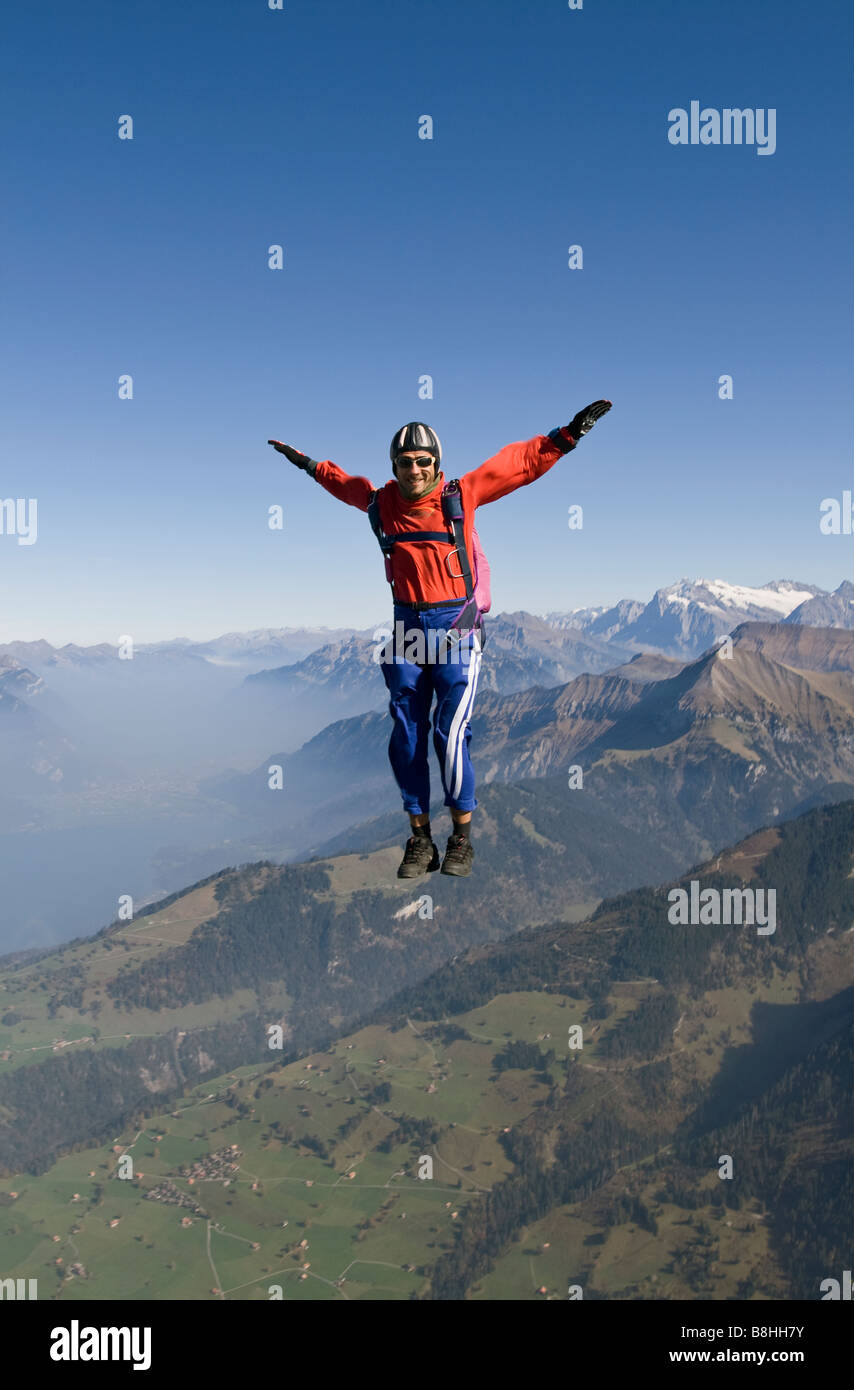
[(452, 509), (402, 538)]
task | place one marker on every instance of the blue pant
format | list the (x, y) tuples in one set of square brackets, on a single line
[(413, 672)]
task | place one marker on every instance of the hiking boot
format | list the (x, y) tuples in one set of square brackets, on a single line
[(420, 857), (458, 856)]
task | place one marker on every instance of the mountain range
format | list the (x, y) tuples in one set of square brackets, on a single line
[(137, 776), (687, 617)]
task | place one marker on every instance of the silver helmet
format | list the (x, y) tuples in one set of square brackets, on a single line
[(416, 435)]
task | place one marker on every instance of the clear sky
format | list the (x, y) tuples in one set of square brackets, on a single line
[(405, 257)]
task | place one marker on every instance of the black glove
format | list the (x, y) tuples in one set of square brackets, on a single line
[(301, 460), (586, 418)]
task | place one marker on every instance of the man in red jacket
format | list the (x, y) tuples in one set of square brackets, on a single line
[(438, 593)]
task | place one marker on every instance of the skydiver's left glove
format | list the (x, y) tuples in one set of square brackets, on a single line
[(579, 425), (301, 460)]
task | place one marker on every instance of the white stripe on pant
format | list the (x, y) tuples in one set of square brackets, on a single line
[(459, 724)]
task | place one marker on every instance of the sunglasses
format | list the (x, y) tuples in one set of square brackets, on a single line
[(414, 463)]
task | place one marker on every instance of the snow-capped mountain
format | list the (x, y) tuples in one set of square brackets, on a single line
[(602, 622), (685, 618), (827, 610)]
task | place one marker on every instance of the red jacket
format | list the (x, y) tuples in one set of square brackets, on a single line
[(419, 572)]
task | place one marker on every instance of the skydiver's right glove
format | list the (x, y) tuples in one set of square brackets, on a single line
[(301, 460)]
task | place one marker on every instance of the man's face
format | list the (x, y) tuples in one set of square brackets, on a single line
[(415, 473)]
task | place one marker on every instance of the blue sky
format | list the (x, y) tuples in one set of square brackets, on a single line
[(404, 257)]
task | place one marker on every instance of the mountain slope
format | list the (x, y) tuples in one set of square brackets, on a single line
[(655, 1096), (550, 1166), (311, 946)]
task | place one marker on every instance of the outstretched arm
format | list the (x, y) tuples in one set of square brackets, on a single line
[(355, 492), (516, 465)]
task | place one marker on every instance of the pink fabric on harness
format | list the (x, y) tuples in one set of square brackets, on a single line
[(482, 592)]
